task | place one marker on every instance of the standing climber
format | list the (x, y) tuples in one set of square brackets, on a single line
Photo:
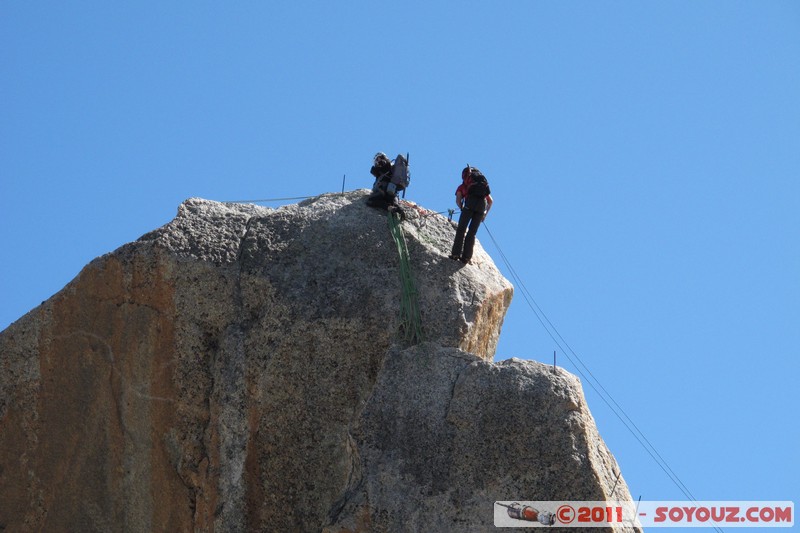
[(474, 198)]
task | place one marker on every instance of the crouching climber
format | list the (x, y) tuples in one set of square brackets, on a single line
[(391, 178)]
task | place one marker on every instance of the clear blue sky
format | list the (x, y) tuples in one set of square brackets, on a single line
[(643, 158)]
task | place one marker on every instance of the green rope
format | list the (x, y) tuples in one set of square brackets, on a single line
[(410, 320)]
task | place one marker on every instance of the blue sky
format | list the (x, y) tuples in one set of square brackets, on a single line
[(643, 158)]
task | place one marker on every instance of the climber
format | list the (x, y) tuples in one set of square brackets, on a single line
[(474, 198), (390, 179)]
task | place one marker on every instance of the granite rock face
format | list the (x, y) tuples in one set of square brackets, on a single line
[(242, 369)]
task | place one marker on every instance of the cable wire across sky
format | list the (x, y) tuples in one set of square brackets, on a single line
[(591, 379)]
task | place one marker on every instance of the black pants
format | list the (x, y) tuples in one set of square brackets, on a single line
[(381, 198), (462, 247)]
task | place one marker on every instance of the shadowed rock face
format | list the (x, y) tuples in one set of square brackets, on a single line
[(240, 369)]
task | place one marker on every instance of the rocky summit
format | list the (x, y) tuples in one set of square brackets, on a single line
[(248, 369)]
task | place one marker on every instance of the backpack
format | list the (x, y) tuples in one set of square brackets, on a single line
[(479, 188), (401, 176)]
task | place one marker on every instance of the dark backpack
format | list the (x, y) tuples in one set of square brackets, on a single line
[(479, 188), (401, 175)]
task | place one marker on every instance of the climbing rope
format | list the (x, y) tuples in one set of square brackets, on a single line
[(411, 325)]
